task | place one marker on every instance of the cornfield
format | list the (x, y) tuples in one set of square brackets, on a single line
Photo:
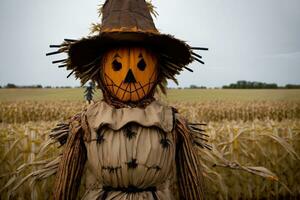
[(21, 153), (25, 111), (256, 147)]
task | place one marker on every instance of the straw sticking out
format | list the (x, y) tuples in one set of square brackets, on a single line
[(200, 61), (58, 61), (70, 40), (189, 69), (55, 46), (198, 124), (197, 55), (200, 48), (70, 74), (52, 53), (60, 66)]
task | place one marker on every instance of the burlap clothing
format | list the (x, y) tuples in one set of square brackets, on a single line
[(130, 147), (130, 153)]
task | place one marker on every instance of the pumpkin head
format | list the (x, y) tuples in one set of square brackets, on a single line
[(129, 73)]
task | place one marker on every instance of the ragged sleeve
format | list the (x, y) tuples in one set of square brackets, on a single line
[(73, 158), (188, 167)]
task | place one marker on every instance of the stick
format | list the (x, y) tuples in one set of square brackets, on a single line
[(52, 53), (58, 61), (200, 48), (70, 74), (55, 46), (189, 69), (60, 66), (70, 40), (200, 61), (197, 55)]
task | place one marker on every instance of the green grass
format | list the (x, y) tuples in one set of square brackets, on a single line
[(76, 94)]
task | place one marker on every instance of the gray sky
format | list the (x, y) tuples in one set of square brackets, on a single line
[(255, 40)]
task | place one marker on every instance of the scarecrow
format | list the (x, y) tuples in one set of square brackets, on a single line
[(128, 145)]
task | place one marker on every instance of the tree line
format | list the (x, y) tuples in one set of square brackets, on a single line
[(12, 85), (258, 85), (238, 85)]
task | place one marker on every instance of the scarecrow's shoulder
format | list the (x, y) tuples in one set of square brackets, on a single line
[(195, 132), (62, 130)]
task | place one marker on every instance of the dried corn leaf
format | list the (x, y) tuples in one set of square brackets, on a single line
[(284, 144)]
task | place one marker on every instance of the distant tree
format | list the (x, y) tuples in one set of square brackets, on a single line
[(271, 86), (197, 87), (11, 85), (291, 86), (30, 86), (250, 85), (241, 84), (89, 92)]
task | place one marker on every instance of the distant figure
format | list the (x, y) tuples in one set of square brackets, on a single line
[(89, 92)]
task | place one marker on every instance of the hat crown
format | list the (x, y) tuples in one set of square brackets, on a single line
[(126, 15)]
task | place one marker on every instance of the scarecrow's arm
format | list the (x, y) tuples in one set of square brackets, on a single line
[(72, 160), (189, 171)]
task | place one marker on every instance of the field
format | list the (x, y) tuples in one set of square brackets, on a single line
[(255, 136), (173, 95)]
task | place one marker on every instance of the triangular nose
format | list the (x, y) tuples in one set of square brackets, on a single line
[(129, 77)]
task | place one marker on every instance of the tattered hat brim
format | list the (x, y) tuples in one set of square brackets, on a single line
[(85, 55), (88, 49)]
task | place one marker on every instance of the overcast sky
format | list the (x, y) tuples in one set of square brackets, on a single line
[(255, 40)]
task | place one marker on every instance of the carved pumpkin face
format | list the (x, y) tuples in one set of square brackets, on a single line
[(129, 73)]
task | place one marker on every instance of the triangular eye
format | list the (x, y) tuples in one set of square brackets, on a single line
[(116, 65), (141, 64)]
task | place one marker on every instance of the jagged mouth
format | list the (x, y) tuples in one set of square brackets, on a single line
[(129, 88)]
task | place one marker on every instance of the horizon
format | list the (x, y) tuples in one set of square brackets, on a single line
[(168, 87)]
